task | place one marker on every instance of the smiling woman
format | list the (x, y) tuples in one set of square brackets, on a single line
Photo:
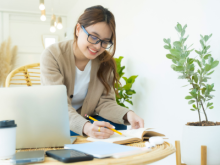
[(87, 68)]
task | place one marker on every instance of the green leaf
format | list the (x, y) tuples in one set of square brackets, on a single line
[(125, 78), (210, 72), (198, 52), (170, 56), (211, 107), (179, 68), (182, 61), (206, 38), (175, 52), (190, 60), (179, 27), (207, 56), (214, 64), (195, 78), (203, 90), (210, 35), (130, 92), (209, 104), (192, 109), (207, 67), (132, 79), (191, 101), (188, 97), (182, 33), (164, 40), (129, 101), (184, 27), (177, 44), (199, 63), (173, 67), (202, 43), (194, 106), (167, 46), (127, 86)]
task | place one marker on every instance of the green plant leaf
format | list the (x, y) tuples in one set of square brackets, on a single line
[(129, 101), (198, 52), (175, 52), (214, 64), (170, 56), (179, 27), (209, 104), (167, 46), (177, 44), (194, 106), (164, 40), (179, 68), (127, 86), (182, 32), (125, 78), (196, 78), (207, 56), (192, 109), (199, 63), (210, 72), (188, 97), (211, 107), (202, 43), (207, 67), (132, 79), (191, 101), (130, 92), (203, 90), (206, 38)]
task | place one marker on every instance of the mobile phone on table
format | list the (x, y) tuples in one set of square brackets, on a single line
[(69, 155), (24, 157)]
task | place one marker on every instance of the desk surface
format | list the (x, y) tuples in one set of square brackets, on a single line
[(156, 154)]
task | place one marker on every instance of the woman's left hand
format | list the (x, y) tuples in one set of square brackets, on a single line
[(135, 121)]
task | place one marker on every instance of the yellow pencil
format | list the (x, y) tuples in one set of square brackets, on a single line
[(108, 128)]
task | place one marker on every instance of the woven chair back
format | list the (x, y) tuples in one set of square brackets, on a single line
[(28, 75)]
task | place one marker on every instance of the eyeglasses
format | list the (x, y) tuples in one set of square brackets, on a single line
[(95, 40)]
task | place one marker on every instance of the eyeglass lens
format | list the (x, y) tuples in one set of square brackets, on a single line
[(93, 39)]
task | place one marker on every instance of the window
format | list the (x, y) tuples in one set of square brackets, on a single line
[(49, 40)]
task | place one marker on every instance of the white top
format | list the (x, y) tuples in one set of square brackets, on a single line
[(81, 86)]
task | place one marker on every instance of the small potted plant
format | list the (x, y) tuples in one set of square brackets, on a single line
[(197, 71)]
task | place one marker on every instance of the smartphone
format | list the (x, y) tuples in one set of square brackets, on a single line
[(24, 157), (69, 155)]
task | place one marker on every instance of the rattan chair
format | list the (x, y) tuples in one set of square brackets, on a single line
[(27, 75)]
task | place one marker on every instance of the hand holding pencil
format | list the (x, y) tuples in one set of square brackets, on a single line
[(100, 129)]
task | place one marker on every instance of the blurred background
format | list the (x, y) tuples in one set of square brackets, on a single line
[(141, 26)]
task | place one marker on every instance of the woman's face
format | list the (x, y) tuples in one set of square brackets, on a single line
[(100, 30)]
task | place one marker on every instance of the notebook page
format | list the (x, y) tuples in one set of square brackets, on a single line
[(111, 139), (134, 133)]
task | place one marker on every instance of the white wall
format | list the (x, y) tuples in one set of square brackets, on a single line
[(140, 27), (26, 30)]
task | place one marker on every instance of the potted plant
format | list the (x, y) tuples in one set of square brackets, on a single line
[(196, 70), (124, 92)]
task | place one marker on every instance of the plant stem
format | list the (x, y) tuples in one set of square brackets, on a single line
[(204, 112), (198, 113), (197, 106)]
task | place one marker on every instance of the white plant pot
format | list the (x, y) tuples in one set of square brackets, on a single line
[(196, 136)]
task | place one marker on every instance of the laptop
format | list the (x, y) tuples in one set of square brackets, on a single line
[(41, 115)]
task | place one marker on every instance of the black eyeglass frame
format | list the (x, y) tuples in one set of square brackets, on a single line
[(96, 37)]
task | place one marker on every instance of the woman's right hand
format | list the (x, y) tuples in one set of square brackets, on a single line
[(92, 130)]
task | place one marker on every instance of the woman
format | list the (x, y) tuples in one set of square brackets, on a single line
[(88, 71)]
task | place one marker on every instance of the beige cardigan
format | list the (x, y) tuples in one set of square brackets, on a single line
[(58, 67)]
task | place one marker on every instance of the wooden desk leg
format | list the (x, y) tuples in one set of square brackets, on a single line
[(178, 154), (203, 155)]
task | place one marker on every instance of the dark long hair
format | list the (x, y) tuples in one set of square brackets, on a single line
[(93, 15)]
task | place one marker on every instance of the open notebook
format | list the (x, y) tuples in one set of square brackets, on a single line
[(134, 135)]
